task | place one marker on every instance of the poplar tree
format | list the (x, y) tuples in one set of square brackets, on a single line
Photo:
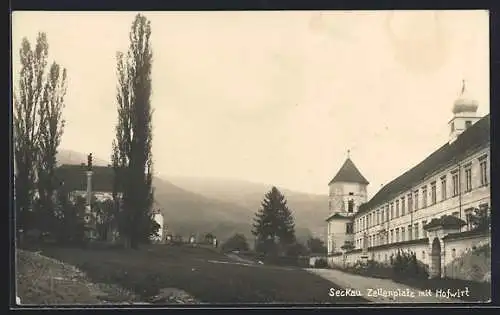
[(134, 134), (37, 126), (50, 132)]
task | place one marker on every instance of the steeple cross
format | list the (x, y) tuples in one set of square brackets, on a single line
[(463, 87), (348, 153)]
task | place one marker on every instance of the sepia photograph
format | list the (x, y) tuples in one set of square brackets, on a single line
[(166, 158)]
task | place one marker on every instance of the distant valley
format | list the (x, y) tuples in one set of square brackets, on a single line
[(221, 206)]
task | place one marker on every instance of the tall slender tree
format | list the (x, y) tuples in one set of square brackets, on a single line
[(134, 132), (51, 130), (26, 125)]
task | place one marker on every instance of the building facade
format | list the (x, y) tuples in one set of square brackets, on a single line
[(424, 207), (347, 192)]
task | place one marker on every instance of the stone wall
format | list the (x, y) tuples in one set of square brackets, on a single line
[(455, 246), (469, 257)]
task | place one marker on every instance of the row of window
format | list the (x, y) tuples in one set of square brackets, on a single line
[(411, 202), (399, 234), (406, 233)]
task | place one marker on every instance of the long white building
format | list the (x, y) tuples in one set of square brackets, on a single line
[(425, 209)]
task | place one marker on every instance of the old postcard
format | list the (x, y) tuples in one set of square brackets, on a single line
[(270, 157)]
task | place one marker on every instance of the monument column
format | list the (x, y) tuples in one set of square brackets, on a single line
[(89, 222)]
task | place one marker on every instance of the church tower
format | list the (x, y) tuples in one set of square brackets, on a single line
[(347, 191), (464, 114)]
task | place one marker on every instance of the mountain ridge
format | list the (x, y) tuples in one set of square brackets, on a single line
[(193, 205)]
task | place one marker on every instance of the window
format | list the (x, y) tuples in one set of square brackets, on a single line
[(424, 197), (468, 123), (392, 210), (416, 231), (433, 193), (410, 203), (351, 194), (387, 213), (484, 172), (349, 229), (403, 233), (454, 180), (468, 179), (410, 236), (390, 238), (350, 206), (397, 235), (424, 232), (468, 218), (403, 206), (452, 126), (397, 208), (378, 216), (330, 205), (415, 201), (423, 254), (443, 188)]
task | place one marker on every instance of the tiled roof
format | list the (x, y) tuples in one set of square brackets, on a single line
[(475, 137), (445, 221), (349, 173), (338, 216), (75, 177)]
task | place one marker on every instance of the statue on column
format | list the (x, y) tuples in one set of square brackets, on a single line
[(89, 162)]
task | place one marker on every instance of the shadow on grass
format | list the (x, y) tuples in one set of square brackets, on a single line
[(152, 268)]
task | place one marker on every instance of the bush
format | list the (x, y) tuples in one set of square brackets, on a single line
[(321, 263), (371, 268), (295, 250), (236, 242), (316, 245), (406, 265)]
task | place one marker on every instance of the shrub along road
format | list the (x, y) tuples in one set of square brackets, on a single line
[(147, 271)]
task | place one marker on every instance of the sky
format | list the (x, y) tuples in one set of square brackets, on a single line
[(274, 97)]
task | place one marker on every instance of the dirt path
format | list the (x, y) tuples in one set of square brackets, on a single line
[(240, 259), (379, 290)]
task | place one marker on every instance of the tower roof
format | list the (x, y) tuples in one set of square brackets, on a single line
[(465, 103), (349, 173)]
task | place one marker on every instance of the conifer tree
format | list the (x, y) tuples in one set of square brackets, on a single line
[(273, 223)]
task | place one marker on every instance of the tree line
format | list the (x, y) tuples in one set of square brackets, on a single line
[(38, 125)]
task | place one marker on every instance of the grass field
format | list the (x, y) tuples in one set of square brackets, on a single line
[(207, 275)]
